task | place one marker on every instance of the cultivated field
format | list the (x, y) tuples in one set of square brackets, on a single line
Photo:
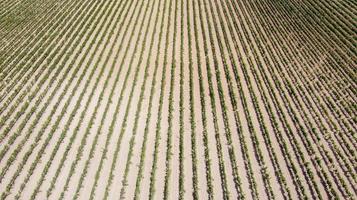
[(178, 99)]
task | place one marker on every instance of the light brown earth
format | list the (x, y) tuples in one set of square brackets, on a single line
[(295, 50)]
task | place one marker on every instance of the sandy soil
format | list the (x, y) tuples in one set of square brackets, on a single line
[(216, 118)]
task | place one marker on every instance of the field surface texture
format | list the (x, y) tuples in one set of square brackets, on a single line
[(178, 99)]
